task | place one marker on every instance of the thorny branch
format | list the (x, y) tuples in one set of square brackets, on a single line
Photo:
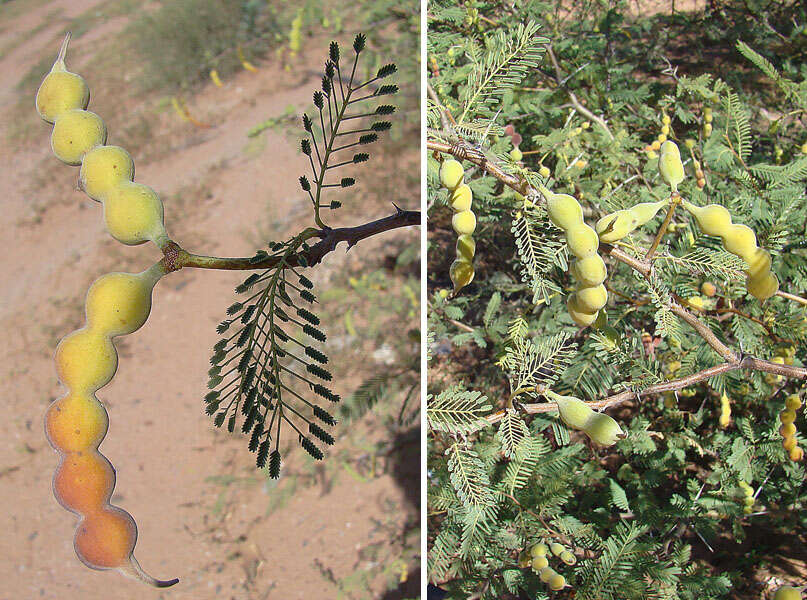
[(176, 258), (734, 361)]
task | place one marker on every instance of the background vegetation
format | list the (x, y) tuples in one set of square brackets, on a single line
[(660, 514)]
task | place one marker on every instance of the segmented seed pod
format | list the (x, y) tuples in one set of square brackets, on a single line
[(539, 562), (670, 166), (451, 174), (61, 90), (463, 222), (575, 413), (588, 268), (740, 240), (75, 424), (615, 226), (539, 549), (725, 411)]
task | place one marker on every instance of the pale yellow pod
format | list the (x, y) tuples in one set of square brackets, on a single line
[(75, 133), (568, 557), (564, 210), (461, 273), (763, 286), (603, 430), (546, 574), (582, 240), (740, 240), (464, 223), (615, 226), (556, 549), (451, 174), (557, 582), (61, 90), (539, 549), (133, 213), (86, 360), (591, 299), (759, 263), (669, 164), (793, 402), (589, 270), (787, 592), (120, 303), (580, 317), (461, 198), (539, 562), (712, 219), (787, 416), (104, 168), (466, 247), (573, 411)]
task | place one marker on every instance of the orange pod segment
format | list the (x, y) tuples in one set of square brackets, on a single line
[(105, 539), (83, 482), (76, 422), (86, 360)]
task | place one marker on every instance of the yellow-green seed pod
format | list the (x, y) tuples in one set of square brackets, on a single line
[(464, 223), (546, 574), (539, 562), (787, 592), (712, 219), (557, 582), (591, 299), (539, 549), (582, 240), (787, 430), (615, 226), (466, 247), (75, 133), (461, 273), (759, 263), (763, 286), (133, 213), (568, 557), (564, 210), (603, 429), (748, 501), (61, 90), (556, 549), (451, 174), (580, 317), (461, 198), (793, 402), (789, 443), (103, 168), (670, 165), (589, 270), (573, 411), (740, 240)]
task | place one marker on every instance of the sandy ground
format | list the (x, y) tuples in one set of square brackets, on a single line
[(202, 509)]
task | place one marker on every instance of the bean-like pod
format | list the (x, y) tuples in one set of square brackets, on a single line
[(740, 240), (787, 592), (461, 198), (61, 90), (588, 268), (539, 549), (546, 574), (575, 413), (539, 562), (725, 411), (615, 226), (75, 133), (557, 549), (557, 582), (466, 247), (568, 557), (120, 303), (670, 166), (133, 214), (464, 223), (451, 174), (461, 273), (793, 402), (86, 360), (103, 169)]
